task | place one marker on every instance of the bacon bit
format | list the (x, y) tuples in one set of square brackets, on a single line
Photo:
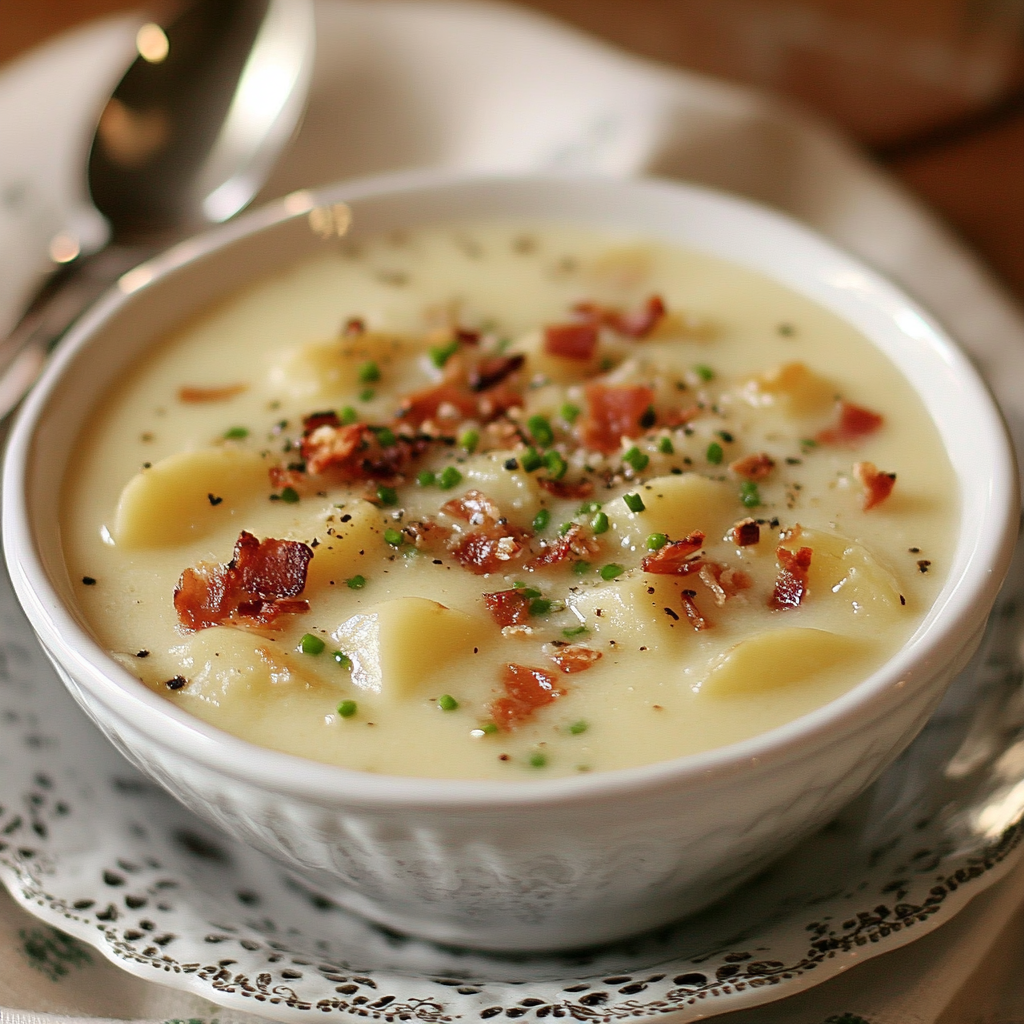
[(614, 413), (473, 507), (566, 488), (734, 580), (494, 370), (354, 452), (450, 403), (487, 550), (282, 476), (791, 583), (328, 445), (508, 607), (692, 611), (527, 689), (197, 395), (753, 467), (680, 417), (426, 534), (636, 323), (354, 327), (877, 486), (745, 533), (571, 341), (575, 544), (854, 424), (320, 419), (671, 559), (251, 589), (464, 336), (576, 658)]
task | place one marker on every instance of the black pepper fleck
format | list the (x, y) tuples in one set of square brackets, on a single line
[(176, 683), (89, 581), (214, 500), (142, 654)]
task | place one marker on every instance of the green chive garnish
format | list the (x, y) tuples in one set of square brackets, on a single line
[(704, 372), (749, 494), (342, 659), (529, 592), (348, 416), (656, 541), (425, 478), (236, 433), (666, 447), (540, 606), (385, 436), (469, 439), (541, 520), (446, 702), (538, 760), (599, 524), (540, 430), (347, 708), (290, 495), (564, 529), (355, 582), (310, 644), (588, 507), (489, 727), (577, 727), (369, 372), (387, 495), (714, 453), (366, 395), (581, 568), (634, 502), (569, 412), (611, 570), (530, 460), (450, 477), (440, 354), (556, 465), (575, 631), (393, 537), (636, 458)]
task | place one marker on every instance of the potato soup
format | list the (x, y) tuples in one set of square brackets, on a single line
[(495, 501)]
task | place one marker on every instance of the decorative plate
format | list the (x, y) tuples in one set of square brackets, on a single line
[(93, 848)]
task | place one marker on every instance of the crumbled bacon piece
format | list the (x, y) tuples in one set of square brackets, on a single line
[(354, 327), (354, 452), (449, 403), (753, 467), (571, 341), (877, 486), (473, 507), (692, 611), (465, 336), (326, 445), (854, 424), (526, 689), (566, 488), (427, 535), (575, 658), (252, 589), (680, 417), (493, 370), (320, 419), (734, 580), (672, 558), (614, 413), (574, 544), (791, 583), (488, 549), (198, 395), (508, 607), (634, 323), (745, 533)]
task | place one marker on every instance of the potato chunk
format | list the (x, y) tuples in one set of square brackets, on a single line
[(348, 542), (631, 611), (796, 389), (186, 495), (778, 658), (676, 506), (401, 646), (516, 493)]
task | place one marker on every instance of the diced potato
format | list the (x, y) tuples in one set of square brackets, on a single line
[(516, 493), (327, 368), (845, 572), (225, 666), (675, 506), (631, 611), (171, 503), (778, 658), (350, 548), (797, 390), (626, 267), (401, 646)]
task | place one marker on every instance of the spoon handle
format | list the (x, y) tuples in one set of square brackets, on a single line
[(58, 304)]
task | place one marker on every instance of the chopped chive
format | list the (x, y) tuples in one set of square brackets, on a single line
[(518, 585), (530, 593), (636, 458), (348, 416), (538, 760), (369, 372), (440, 354), (714, 453), (634, 502), (704, 372), (666, 447), (541, 520), (581, 568), (290, 495), (749, 494), (355, 582), (387, 495), (366, 395), (656, 541), (808, 442), (540, 606), (588, 507), (393, 537), (725, 436), (565, 528), (488, 728), (575, 631), (310, 644), (530, 460), (556, 464), (385, 436), (611, 570), (425, 478), (342, 659), (236, 433), (469, 439), (347, 708), (540, 430), (577, 727), (599, 524), (450, 477), (569, 412), (446, 702)]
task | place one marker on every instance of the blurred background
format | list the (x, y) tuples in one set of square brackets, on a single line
[(932, 89)]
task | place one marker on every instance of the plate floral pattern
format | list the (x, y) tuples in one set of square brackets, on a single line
[(99, 852)]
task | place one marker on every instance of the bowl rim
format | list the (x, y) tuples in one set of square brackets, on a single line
[(191, 738)]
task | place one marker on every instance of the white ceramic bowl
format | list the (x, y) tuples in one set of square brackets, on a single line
[(534, 864)]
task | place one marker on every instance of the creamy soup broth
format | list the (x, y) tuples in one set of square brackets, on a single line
[(674, 473)]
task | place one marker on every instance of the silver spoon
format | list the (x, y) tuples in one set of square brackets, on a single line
[(186, 140)]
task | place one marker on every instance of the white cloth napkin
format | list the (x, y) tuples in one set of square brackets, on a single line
[(483, 86)]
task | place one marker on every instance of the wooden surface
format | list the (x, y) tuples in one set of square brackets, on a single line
[(933, 88)]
